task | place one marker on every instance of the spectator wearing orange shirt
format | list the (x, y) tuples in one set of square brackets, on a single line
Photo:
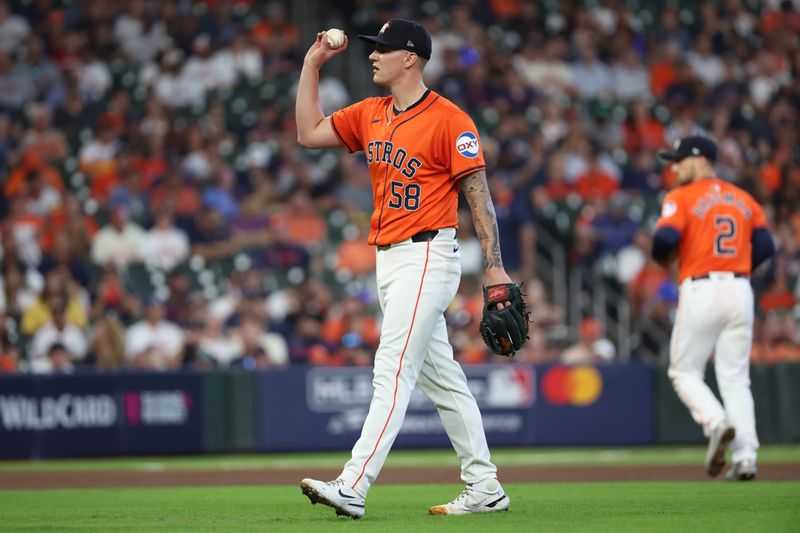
[(778, 340), (97, 160), (173, 191), (42, 138), (31, 162), (641, 131), (351, 316), (355, 256), (596, 182), (299, 222)]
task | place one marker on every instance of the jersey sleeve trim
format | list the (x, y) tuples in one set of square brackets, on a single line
[(468, 171), (669, 226), (339, 136)]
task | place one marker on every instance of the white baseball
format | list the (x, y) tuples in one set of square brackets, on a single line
[(335, 38)]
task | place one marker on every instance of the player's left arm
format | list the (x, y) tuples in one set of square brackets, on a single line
[(762, 245), (476, 191), (665, 245), (667, 237)]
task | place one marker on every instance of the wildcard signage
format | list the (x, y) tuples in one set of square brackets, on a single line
[(325, 408), (95, 415)]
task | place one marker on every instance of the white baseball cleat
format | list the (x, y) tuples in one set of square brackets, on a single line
[(484, 497), (334, 494), (742, 471), (718, 442)]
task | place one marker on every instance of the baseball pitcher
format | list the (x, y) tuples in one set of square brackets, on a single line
[(421, 149), (719, 234)]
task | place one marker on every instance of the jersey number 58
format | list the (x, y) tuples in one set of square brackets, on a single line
[(404, 196)]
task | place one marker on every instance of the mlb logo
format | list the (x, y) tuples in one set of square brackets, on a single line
[(467, 144)]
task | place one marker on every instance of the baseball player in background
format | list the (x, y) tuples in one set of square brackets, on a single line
[(719, 235), (421, 149)]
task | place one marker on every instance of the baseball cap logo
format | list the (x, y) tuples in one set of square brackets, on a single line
[(467, 144), (384, 28), (409, 43)]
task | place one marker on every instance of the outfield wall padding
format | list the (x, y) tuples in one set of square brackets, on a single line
[(787, 400), (297, 409), (674, 424), (101, 415)]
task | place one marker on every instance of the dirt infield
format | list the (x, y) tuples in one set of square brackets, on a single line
[(515, 474)]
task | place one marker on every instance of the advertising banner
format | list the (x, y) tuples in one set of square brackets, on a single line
[(97, 415), (593, 405), (162, 413), (325, 408)]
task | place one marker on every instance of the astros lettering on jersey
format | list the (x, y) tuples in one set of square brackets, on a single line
[(723, 218), (415, 169)]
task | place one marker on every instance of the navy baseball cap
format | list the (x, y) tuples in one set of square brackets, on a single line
[(692, 145), (404, 35)]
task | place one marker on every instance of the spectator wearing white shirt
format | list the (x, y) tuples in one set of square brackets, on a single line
[(140, 36), (631, 79), (120, 242), (165, 246), (207, 70), (40, 198), (252, 340), (171, 87), (215, 343), (707, 66), (97, 157), (57, 331), (683, 125), (547, 72), (46, 75), (154, 343), (16, 84), (245, 58), (94, 75), (13, 29), (592, 77), (767, 79)]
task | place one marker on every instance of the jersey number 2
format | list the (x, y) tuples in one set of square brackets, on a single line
[(726, 234), (406, 196)]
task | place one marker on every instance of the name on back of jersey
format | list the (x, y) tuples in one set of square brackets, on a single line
[(710, 199), (384, 152)]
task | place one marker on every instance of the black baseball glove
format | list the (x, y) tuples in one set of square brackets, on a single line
[(504, 330)]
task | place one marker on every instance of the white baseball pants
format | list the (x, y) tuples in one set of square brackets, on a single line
[(416, 283), (716, 315)]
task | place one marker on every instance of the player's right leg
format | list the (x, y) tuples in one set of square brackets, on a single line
[(732, 365), (442, 380), (697, 323), (417, 281)]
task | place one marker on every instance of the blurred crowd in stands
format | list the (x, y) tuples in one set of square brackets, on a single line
[(157, 212)]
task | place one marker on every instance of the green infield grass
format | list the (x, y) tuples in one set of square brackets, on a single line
[(400, 458), (662, 506)]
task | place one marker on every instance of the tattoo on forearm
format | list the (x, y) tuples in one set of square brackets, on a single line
[(476, 191)]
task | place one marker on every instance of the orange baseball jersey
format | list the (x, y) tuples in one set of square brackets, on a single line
[(715, 220), (416, 159)]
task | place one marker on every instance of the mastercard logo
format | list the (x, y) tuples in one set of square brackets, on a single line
[(572, 385)]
